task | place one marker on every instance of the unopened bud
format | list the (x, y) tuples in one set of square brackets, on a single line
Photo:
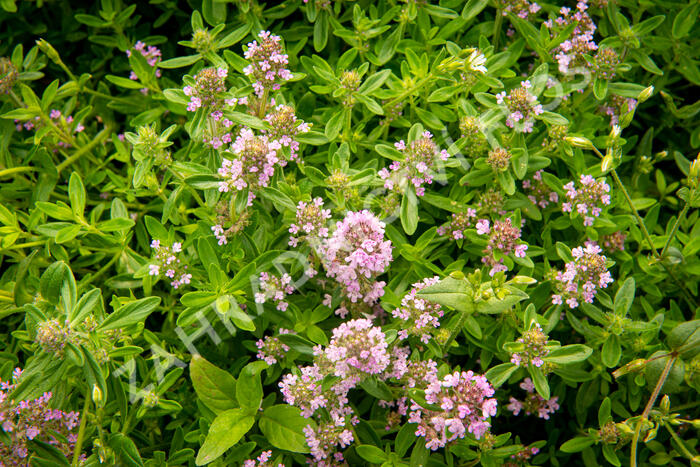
[(8, 75), (634, 365), (665, 403), (579, 142), (48, 50), (459, 275), (694, 171), (607, 163), (616, 131), (97, 396), (645, 94)]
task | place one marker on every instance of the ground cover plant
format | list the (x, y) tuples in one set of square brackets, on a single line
[(349, 233)]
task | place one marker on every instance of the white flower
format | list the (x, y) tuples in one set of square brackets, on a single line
[(476, 62)]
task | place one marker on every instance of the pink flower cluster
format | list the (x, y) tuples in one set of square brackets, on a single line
[(284, 127), (311, 221), (420, 156), (522, 105), (533, 402), (572, 52), (33, 420), (582, 277), (617, 106), (275, 288), (420, 316), (588, 198), (538, 191), (66, 123), (267, 63), (523, 457), (460, 222), (356, 254), (271, 349), (253, 165), (614, 242), (503, 240), (206, 91), (534, 343), (261, 461), (356, 351), (151, 54), (521, 8), (167, 262), (220, 234), (465, 403)]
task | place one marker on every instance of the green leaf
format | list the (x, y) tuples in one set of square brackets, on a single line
[(283, 427), (225, 431), (409, 211), (569, 354), (377, 388), (611, 352), (429, 119), (577, 444), (624, 297), (371, 454), (126, 450), (455, 293), (131, 313), (116, 225), (248, 387), (604, 414), (84, 306), (215, 387), (685, 20), (539, 380), (124, 82), (600, 88), (57, 282), (334, 125), (374, 82), (500, 373), (93, 373), (685, 338), (473, 8), (179, 62)]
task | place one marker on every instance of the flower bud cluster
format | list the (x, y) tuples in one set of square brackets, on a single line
[(521, 8), (261, 461), (271, 349), (420, 316), (534, 342), (207, 89), (420, 156), (356, 254), (582, 277), (284, 127), (475, 142), (52, 337), (168, 263), (522, 458), (460, 222), (572, 52), (522, 105), (588, 198), (614, 242), (310, 225), (267, 63), (8, 75), (275, 288), (499, 159), (618, 106), (533, 402), (538, 192), (503, 240)]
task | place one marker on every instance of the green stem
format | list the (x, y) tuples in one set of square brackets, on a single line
[(16, 170), (674, 229), (498, 22), (102, 270), (647, 409), (679, 441), (469, 308), (99, 138), (409, 91), (640, 221), (81, 431)]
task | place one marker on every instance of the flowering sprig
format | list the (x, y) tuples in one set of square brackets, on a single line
[(271, 349), (533, 402), (252, 165), (582, 277), (166, 262), (267, 63), (588, 198), (206, 91), (503, 239), (33, 420), (538, 192), (152, 55), (465, 407), (572, 52), (356, 254), (284, 127), (534, 348), (420, 157), (275, 288), (522, 106), (420, 316)]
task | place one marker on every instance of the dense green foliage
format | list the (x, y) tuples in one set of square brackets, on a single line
[(302, 232)]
